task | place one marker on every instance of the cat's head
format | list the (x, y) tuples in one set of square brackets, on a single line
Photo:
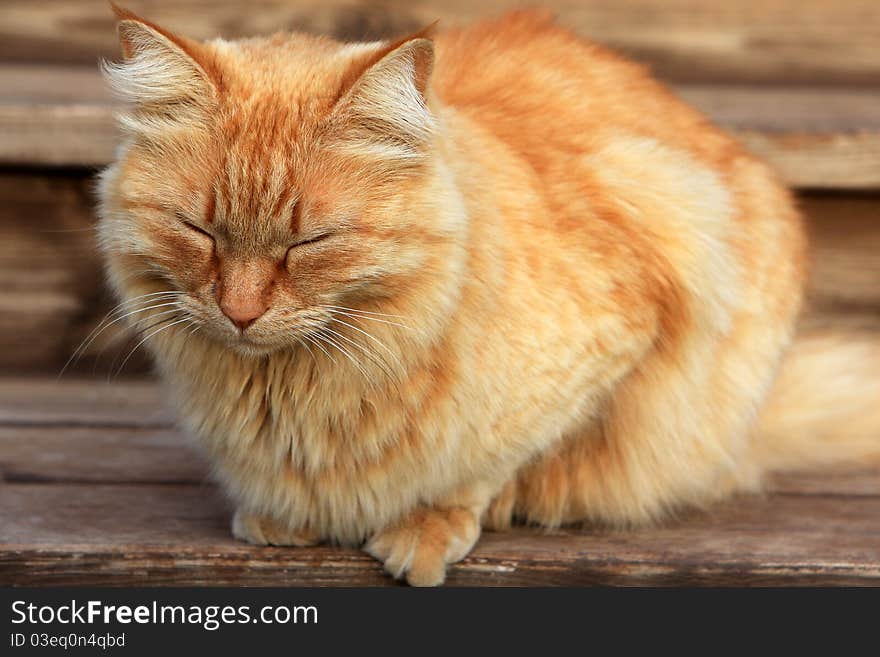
[(267, 185)]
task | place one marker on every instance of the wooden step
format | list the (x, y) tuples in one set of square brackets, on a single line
[(816, 137), (98, 492), (783, 41)]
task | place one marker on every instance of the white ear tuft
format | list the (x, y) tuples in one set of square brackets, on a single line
[(386, 111), (160, 80)]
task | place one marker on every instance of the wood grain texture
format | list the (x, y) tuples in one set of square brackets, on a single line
[(843, 161), (53, 292), (178, 535), (92, 496), (85, 455), (845, 252), (778, 108), (854, 481), (746, 40), (816, 137), (57, 135), (82, 402)]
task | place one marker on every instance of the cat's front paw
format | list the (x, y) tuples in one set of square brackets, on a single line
[(261, 530), (419, 547)]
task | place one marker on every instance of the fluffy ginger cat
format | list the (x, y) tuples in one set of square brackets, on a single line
[(404, 290)]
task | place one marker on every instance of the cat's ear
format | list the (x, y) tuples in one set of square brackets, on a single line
[(385, 110), (164, 78)]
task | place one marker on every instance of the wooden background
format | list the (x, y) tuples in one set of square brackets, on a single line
[(98, 487), (797, 80)]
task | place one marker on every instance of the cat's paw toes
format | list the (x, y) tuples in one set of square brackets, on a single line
[(260, 530), (420, 547), (246, 527)]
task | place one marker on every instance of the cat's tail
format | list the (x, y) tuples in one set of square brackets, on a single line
[(825, 405)]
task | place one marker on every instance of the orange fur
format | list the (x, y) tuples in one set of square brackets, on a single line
[(496, 263)]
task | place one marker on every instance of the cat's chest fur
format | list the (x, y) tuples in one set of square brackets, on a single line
[(292, 439)]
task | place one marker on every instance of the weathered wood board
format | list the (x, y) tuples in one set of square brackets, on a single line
[(120, 534), (94, 493), (817, 137), (813, 41)]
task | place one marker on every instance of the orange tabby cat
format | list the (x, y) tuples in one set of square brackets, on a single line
[(404, 289)]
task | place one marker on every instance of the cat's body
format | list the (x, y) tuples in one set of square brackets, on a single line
[(574, 302)]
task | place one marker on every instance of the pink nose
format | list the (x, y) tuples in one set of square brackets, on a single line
[(243, 312)]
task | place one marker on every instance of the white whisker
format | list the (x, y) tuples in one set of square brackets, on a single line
[(306, 347), (319, 346), (354, 361), (138, 333), (372, 319), (156, 332), (106, 323), (374, 358), (373, 338), (365, 312)]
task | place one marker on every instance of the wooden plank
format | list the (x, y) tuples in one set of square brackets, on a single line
[(783, 40), (844, 238), (830, 162), (85, 455), (82, 402), (55, 115), (178, 535), (93, 496), (787, 109), (29, 83), (841, 480), (780, 108), (57, 135), (53, 292), (816, 137)]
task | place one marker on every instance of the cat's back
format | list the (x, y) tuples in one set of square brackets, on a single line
[(547, 93), (609, 161)]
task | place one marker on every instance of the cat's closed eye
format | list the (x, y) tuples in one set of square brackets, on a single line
[(306, 242), (193, 227)]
